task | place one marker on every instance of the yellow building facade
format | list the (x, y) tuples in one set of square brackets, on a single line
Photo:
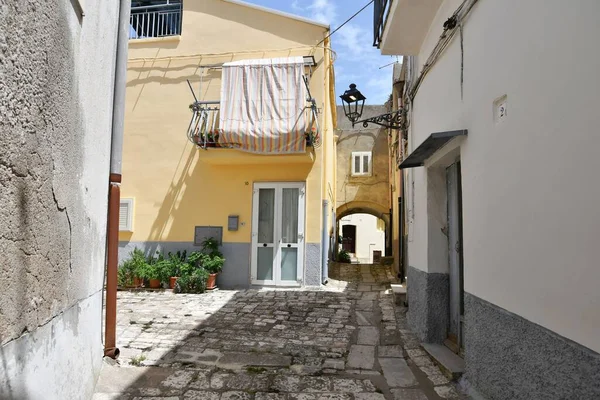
[(177, 191)]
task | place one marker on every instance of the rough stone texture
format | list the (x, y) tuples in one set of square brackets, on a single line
[(502, 347), (368, 194), (397, 373), (56, 92), (312, 259), (428, 305), (235, 274), (267, 344)]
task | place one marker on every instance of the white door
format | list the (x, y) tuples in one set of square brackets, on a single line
[(278, 234)]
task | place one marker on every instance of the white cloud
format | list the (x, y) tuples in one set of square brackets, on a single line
[(322, 11)]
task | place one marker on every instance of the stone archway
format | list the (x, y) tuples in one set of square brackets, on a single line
[(365, 207)]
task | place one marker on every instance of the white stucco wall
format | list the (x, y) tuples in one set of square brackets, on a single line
[(369, 237), (56, 96), (530, 197)]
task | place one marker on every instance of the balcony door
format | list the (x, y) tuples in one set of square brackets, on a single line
[(278, 234)]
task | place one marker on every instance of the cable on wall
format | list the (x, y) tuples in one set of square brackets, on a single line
[(450, 27)]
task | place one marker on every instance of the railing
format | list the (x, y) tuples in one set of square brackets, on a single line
[(156, 20), (381, 11), (203, 130)]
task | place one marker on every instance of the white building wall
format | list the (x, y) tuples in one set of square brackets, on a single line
[(56, 104), (530, 198), (370, 235)]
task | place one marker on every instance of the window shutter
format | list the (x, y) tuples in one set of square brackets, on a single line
[(125, 215)]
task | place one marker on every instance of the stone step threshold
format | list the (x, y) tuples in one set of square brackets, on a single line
[(399, 292), (449, 362)]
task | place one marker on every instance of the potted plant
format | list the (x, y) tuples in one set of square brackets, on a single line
[(127, 274), (177, 264), (213, 265), (152, 272), (212, 261), (192, 281)]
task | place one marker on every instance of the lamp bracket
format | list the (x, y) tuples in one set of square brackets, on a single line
[(392, 120)]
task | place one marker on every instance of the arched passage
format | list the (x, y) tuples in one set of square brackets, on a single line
[(362, 207)]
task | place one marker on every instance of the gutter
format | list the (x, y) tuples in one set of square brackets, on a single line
[(114, 193)]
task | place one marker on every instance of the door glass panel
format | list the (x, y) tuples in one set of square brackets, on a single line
[(266, 215), (289, 215), (265, 264), (289, 263)]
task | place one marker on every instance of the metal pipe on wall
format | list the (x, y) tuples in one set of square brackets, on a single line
[(325, 244), (114, 194)]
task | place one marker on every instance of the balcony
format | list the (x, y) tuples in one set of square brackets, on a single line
[(155, 19), (380, 15), (400, 26), (204, 131)]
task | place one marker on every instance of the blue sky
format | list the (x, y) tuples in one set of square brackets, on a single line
[(357, 60)]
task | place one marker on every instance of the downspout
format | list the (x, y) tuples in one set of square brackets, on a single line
[(114, 193), (325, 243)]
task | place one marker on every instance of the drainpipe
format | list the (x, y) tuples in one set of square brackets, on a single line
[(114, 193), (325, 244)]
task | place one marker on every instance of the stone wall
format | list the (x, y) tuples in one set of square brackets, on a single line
[(56, 86), (370, 190)]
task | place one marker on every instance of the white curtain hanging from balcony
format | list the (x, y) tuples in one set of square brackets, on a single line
[(263, 105)]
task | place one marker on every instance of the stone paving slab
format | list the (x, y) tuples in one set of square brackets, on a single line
[(347, 341)]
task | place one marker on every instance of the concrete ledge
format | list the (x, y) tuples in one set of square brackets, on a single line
[(399, 293), (451, 364)]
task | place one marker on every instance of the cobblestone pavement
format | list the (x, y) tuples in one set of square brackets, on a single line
[(347, 341)]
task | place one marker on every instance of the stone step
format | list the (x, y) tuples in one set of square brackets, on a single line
[(399, 292), (450, 363)]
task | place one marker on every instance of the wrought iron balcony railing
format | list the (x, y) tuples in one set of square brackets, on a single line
[(156, 20), (381, 11), (203, 129)]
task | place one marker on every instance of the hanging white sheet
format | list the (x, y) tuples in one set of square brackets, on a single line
[(263, 105)]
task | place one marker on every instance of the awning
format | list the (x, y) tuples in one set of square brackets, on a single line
[(433, 143)]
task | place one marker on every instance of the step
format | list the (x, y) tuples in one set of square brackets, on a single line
[(399, 292), (450, 363)]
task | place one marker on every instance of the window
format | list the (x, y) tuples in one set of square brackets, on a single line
[(361, 163), (126, 215)]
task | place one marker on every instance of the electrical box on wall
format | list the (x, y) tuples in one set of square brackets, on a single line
[(202, 233), (233, 222)]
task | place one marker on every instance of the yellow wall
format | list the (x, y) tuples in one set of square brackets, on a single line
[(177, 186)]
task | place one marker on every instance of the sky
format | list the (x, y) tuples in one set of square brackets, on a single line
[(357, 60)]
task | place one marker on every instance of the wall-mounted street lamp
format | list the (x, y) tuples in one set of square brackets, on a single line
[(353, 102)]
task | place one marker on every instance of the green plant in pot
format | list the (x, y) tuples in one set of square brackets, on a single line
[(212, 260), (344, 257), (152, 272), (127, 275), (177, 267), (193, 281)]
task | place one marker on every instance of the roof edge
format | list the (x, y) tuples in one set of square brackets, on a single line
[(276, 12)]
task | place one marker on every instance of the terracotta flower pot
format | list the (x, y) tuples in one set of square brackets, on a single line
[(212, 282), (137, 282), (154, 283), (172, 281)]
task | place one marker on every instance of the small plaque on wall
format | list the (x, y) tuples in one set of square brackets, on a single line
[(233, 222), (201, 233)]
